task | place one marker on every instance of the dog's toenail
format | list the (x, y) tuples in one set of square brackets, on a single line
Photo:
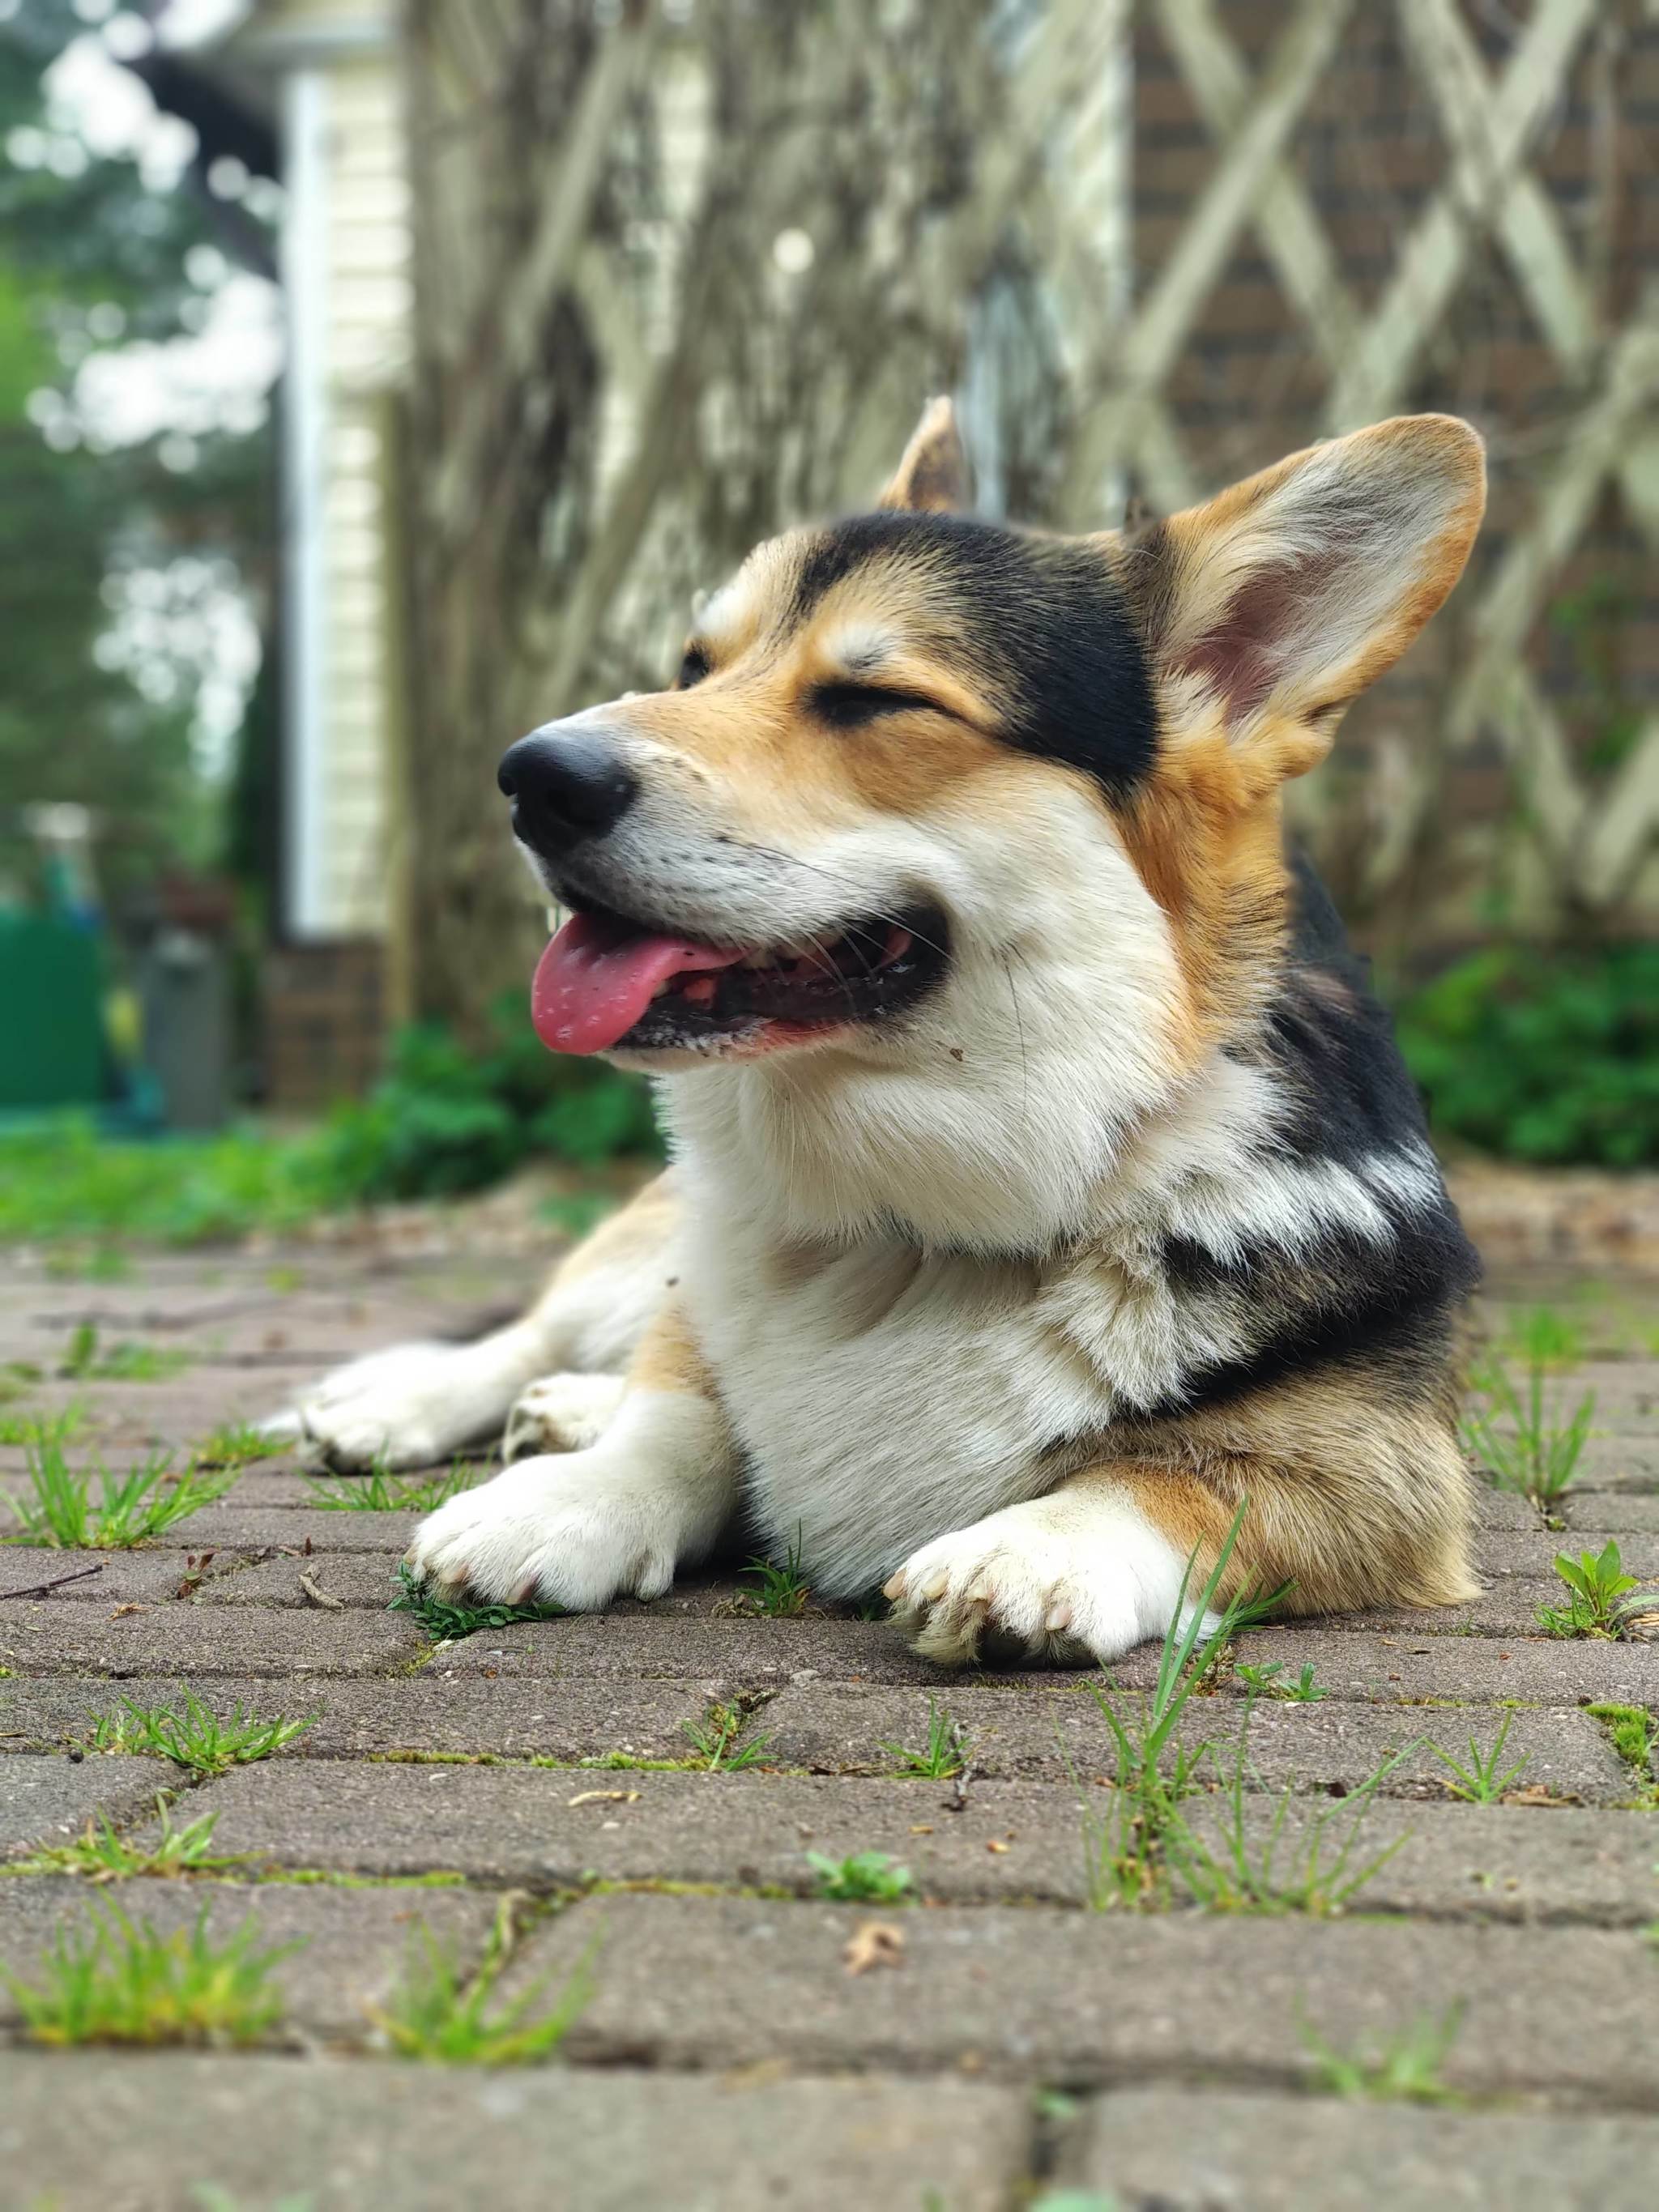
[(936, 1585)]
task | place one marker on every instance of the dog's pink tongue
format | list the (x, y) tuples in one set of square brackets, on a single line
[(595, 981)]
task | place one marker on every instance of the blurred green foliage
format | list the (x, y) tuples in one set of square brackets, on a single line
[(446, 1120), (443, 1121), (1539, 1054)]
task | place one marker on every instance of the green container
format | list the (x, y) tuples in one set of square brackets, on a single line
[(51, 1042)]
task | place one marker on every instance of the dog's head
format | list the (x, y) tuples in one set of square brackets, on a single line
[(933, 797)]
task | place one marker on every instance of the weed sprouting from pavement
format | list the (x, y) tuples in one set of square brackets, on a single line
[(60, 1510), (448, 1622), (116, 1981), (102, 1855), (1406, 2068), (1633, 1732), (1531, 1452), (779, 1592), (1267, 1680), (195, 1737), (378, 1492), (1600, 1603), (867, 1877), (85, 1361), (716, 1740), (442, 2015), (239, 1443), (1141, 1844), (945, 1753), (1486, 1778)]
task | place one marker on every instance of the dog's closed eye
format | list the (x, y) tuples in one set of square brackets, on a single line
[(693, 668), (845, 706)]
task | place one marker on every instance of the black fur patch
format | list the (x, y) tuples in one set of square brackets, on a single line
[(1331, 1049), (1044, 621)]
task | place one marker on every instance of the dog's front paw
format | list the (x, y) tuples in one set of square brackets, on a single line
[(1071, 1580), (409, 1406), (576, 1531), (561, 1414)]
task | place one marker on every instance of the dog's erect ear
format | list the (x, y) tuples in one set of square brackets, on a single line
[(934, 470), (1277, 603)]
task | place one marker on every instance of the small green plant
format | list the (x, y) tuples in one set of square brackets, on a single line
[(440, 2014), (85, 1362), (1156, 1768), (1599, 1599), (196, 1737), (1486, 1778), (945, 1753), (377, 1491), (447, 1623), (779, 1592), (118, 1982), (1633, 1732), (59, 1509), (1540, 1337), (1299, 1860), (867, 1877), (237, 1443), (1267, 1680), (1525, 1448), (1407, 2068), (716, 1740), (103, 1856), (23, 1430)]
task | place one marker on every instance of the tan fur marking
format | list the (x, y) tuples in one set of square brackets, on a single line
[(670, 1358), (1357, 1501)]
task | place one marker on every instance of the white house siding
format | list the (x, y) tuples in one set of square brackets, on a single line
[(347, 276)]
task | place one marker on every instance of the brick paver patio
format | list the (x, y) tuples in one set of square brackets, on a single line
[(1006, 2044)]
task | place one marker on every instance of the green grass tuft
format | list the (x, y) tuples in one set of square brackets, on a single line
[(60, 1510), (447, 1623), (867, 1877), (84, 1362), (378, 1492), (118, 1982), (195, 1737), (238, 1445), (440, 2014), (716, 1741), (1406, 2068), (102, 1855), (1485, 1778), (781, 1592), (945, 1753), (1601, 1598), (1520, 1440)]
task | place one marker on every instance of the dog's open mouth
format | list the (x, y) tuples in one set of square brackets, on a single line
[(607, 983)]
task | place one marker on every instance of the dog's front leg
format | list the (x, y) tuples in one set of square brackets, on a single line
[(580, 1529), (1078, 1576)]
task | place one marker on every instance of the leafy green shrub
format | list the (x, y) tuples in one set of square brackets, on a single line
[(444, 1120), (441, 1122), (1534, 1055)]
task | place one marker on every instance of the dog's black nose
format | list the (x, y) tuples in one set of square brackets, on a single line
[(566, 784)]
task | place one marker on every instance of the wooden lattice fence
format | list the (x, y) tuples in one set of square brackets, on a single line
[(686, 267)]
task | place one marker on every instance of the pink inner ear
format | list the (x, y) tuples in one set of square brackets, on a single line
[(1243, 656)]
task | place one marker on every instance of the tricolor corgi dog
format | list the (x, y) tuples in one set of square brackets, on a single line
[(1045, 1185)]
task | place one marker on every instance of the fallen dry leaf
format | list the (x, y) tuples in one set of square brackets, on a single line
[(1537, 1793), (992, 1845), (604, 1797), (122, 1611), (923, 1831), (876, 1943)]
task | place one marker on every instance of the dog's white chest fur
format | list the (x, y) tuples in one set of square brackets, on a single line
[(882, 1396)]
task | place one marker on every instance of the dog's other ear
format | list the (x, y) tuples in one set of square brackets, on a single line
[(1277, 603), (934, 470)]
